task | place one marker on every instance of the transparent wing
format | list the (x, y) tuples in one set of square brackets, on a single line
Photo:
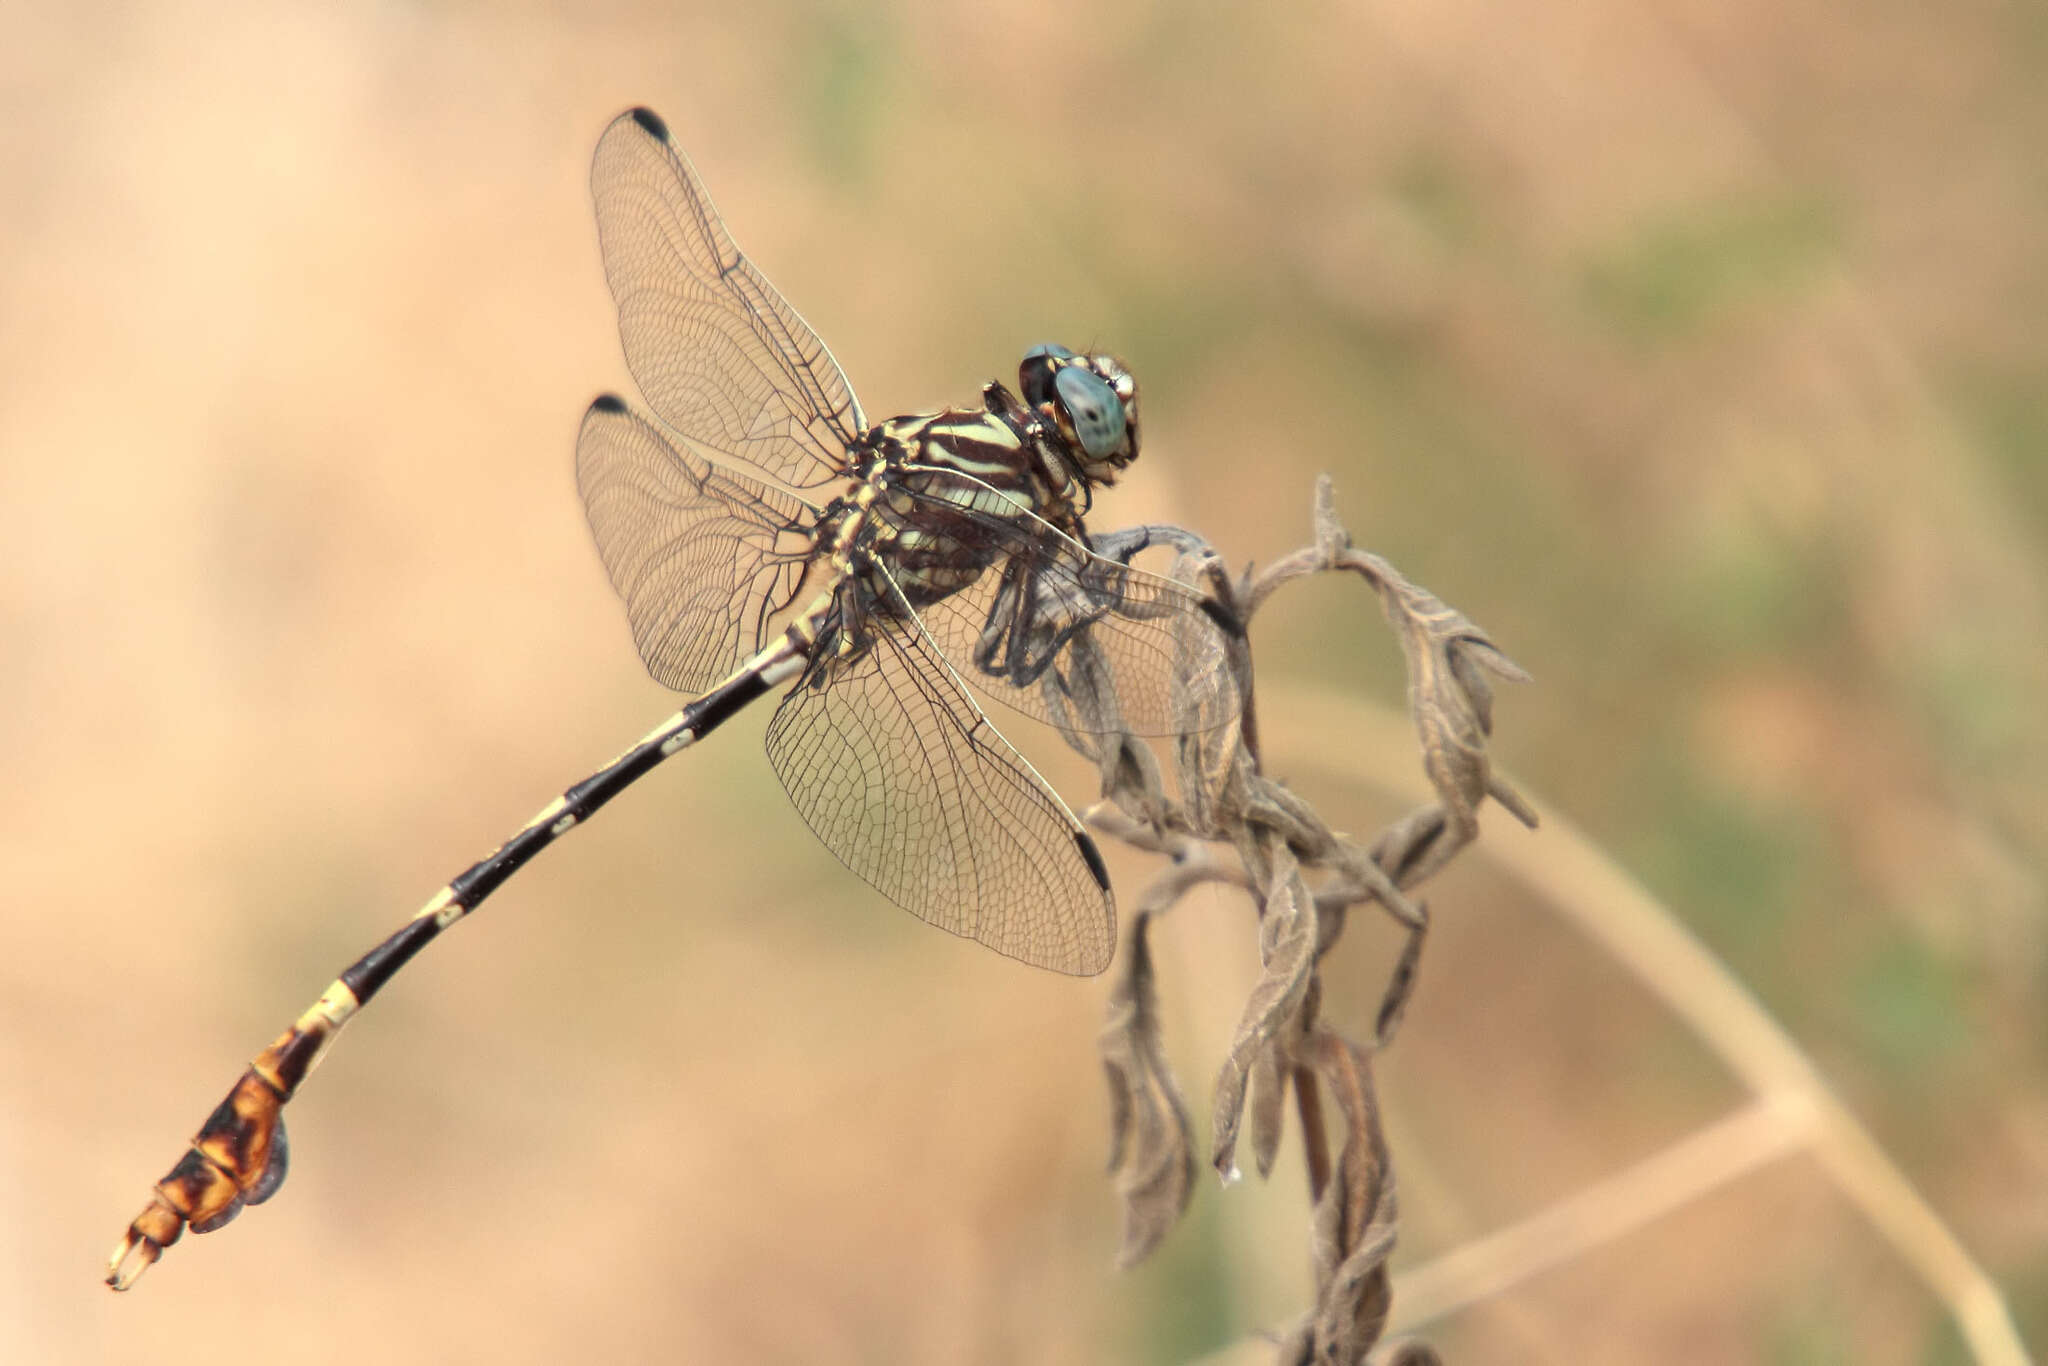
[(716, 351), (899, 773), (704, 557), (1051, 625)]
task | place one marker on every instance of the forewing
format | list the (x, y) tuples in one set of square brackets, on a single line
[(903, 778), (703, 556), (716, 351), (1017, 633)]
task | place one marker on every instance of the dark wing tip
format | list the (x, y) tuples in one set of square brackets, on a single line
[(650, 121), (1093, 856), (608, 403)]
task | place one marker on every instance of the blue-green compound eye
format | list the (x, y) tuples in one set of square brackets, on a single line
[(1053, 349), (1097, 412)]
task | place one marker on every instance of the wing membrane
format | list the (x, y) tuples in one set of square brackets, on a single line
[(907, 783), (703, 556), (716, 351)]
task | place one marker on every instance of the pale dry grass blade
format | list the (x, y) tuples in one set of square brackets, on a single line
[(1758, 1134)]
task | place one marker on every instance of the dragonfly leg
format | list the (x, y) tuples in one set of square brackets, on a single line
[(1122, 545)]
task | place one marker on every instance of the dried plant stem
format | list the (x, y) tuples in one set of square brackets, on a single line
[(1304, 880), (1587, 888)]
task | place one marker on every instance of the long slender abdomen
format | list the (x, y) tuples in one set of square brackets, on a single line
[(240, 1154)]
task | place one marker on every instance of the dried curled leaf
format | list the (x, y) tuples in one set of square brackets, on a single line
[(1355, 1219), (1287, 944), (1152, 1149), (1267, 1106), (1451, 664), (1213, 765)]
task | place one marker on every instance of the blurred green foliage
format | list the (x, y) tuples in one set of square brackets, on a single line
[(1684, 271)]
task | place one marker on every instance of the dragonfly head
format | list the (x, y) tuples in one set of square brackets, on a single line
[(1091, 401)]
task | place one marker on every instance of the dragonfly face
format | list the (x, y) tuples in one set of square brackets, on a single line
[(1090, 401)]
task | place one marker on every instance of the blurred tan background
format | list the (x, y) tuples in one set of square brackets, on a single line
[(1693, 349)]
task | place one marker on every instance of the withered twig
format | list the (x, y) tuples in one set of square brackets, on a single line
[(1303, 879)]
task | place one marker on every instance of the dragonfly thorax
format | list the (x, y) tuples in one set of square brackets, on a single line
[(941, 496)]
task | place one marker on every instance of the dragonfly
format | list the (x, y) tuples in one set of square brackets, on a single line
[(762, 533)]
